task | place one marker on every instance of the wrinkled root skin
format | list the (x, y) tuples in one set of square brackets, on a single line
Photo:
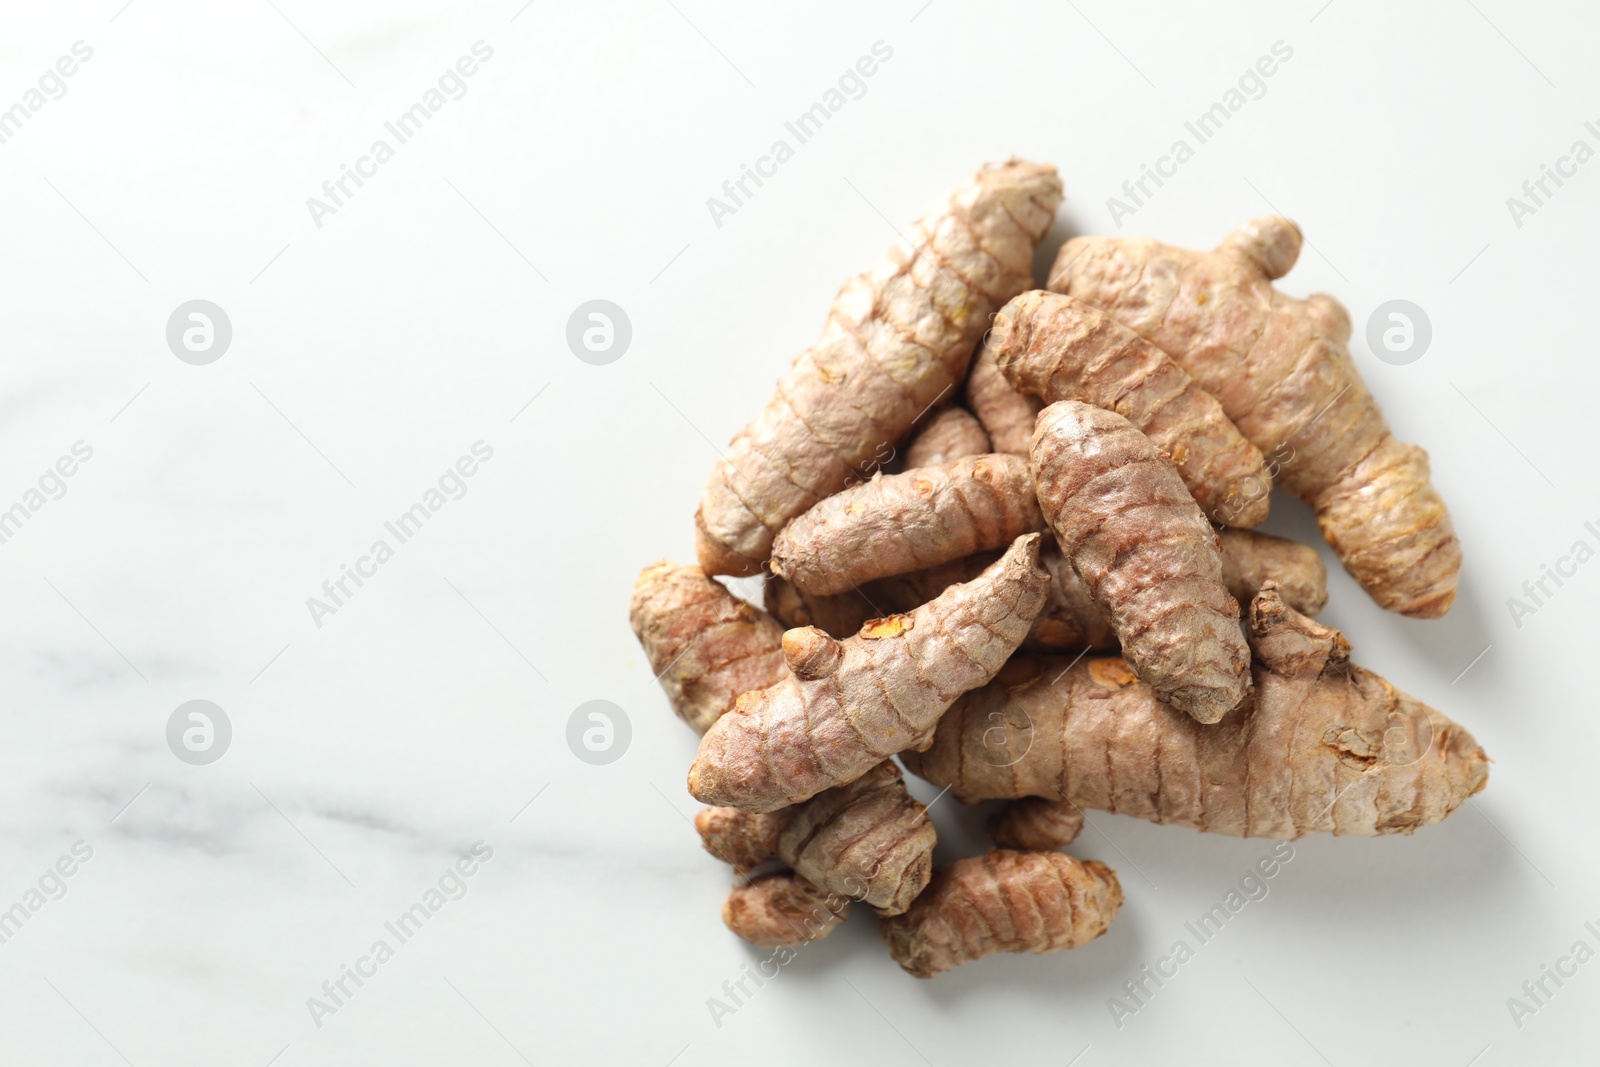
[(898, 338), (848, 705), (954, 433), (899, 523), (869, 840), (1324, 746), (1147, 554), (1055, 348), (704, 644), (1036, 824), (1281, 369), (1070, 618), (782, 909), (1003, 901)]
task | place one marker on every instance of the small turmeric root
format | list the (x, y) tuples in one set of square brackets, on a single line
[(850, 704), (1149, 557), (900, 523), (898, 338), (1282, 371), (1006, 414), (1055, 348), (1070, 618), (1003, 901), (869, 840), (951, 434), (1250, 560), (782, 909), (1036, 824), (705, 645), (1324, 746)]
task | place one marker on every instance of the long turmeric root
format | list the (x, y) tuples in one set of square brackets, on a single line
[(1282, 372), (1324, 746), (704, 644), (869, 840), (898, 338), (850, 704), (1147, 554), (1055, 348), (1070, 618), (900, 523), (1003, 901)]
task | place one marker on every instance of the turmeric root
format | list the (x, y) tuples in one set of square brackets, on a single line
[(1036, 824), (849, 704), (1147, 554), (869, 840), (1055, 348), (1003, 901), (1006, 414), (1070, 618), (782, 909), (1282, 372), (1250, 560), (1324, 745), (704, 644), (899, 523), (951, 434), (897, 339)]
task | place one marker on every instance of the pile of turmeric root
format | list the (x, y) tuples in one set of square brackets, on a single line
[(1053, 597)]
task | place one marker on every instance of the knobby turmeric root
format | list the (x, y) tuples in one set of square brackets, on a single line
[(1003, 901), (953, 433), (1250, 560), (869, 840), (1323, 746), (1055, 348), (1070, 618), (705, 645), (782, 909), (900, 523), (850, 704), (1006, 414), (1148, 556), (898, 338), (1282, 372), (1036, 824)]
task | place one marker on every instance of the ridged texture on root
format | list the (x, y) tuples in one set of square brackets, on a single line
[(1006, 414), (850, 704), (706, 645), (1282, 371), (899, 523), (1250, 560), (953, 433), (1003, 901), (1070, 617), (1036, 824), (1055, 348), (898, 338), (869, 840), (1324, 746), (782, 909), (1147, 554)]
